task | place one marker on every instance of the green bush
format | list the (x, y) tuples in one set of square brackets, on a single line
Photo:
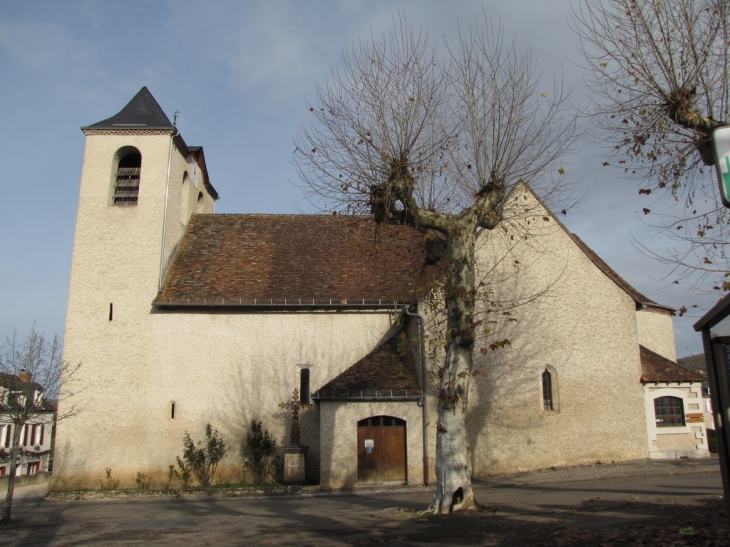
[(200, 460), (258, 454), (143, 482), (109, 482)]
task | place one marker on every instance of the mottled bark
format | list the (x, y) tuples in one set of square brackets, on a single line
[(453, 462), (14, 449)]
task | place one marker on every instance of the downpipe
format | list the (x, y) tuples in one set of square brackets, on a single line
[(164, 214), (424, 408)]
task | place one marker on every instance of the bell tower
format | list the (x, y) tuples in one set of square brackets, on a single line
[(140, 183)]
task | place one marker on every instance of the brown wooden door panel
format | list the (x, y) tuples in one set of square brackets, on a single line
[(393, 452), (369, 463)]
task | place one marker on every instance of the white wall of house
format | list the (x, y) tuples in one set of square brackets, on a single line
[(688, 440), (35, 441)]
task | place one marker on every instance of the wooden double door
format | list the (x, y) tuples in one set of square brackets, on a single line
[(381, 450)]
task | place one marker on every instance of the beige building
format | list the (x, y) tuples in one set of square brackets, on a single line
[(183, 317)]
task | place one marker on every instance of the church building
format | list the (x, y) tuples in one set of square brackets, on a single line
[(182, 317)]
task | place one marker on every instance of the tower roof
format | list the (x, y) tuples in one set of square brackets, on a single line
[(142, 112)]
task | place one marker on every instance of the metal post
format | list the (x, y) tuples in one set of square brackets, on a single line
[(717, 361)]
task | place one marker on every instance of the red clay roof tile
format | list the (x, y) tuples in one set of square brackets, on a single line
[(248, 259)]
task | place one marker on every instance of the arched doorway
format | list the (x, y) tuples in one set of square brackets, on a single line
[(381, 450)]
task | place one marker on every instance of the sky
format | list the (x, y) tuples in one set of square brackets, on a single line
[(240, 74)]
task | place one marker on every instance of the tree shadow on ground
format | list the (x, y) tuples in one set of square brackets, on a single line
[(367, 520)]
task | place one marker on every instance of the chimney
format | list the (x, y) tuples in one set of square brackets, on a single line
[(24, 376)]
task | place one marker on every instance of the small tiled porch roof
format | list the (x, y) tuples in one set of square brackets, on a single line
[(388, 372), (656, 368)]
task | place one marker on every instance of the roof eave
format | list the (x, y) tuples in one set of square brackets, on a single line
[(280, 306)]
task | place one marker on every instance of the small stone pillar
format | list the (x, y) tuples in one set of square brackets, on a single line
[(294, 469)]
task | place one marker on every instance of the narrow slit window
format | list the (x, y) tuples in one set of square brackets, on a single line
[(304, 386), (173, 410), (547, 390), (111, 311)]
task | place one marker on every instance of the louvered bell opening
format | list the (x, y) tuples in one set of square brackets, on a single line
[(127, 187)]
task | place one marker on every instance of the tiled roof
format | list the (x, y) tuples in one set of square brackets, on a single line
[(655, 368), (14, 382), (387, 370), (142, 112), (255, 260), (616, 278)]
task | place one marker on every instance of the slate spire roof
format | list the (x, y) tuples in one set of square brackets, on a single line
[(142, 112)]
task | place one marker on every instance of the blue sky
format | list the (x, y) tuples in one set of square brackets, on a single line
[(239, 73)]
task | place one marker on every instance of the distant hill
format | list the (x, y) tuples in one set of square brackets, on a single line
[(695, 363)]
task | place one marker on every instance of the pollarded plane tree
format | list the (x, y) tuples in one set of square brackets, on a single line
[(437, 142), (660, 73)]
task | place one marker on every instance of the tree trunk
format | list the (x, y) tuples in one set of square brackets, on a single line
[(14, 449), (453, 463)]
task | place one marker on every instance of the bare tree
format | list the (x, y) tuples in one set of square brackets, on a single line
[(436, 144), (661, 72), (34, 379)]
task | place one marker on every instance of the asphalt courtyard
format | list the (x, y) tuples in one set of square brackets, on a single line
[(676, 502)]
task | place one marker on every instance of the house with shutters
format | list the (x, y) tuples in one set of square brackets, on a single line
[(35, 435), (183, 317)]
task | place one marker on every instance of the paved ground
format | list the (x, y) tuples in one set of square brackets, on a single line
[(638, 503)]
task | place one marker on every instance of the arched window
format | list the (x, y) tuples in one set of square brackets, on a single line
[(547, 390), (126, 186), (669, 411), (185, 199), (201, 203), (550, 399)]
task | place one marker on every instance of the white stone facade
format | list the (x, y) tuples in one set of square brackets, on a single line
[(229, 367)]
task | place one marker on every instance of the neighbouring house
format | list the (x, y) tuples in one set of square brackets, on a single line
[(675, 409), (696, 363), (181, 316), (36, 434)]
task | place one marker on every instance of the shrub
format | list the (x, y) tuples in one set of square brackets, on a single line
[(200, 460), (183, 474), (258, 454), (109, 482), (170, 476), (143, 482)]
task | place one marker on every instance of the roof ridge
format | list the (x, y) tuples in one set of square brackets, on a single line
[(638, 297)]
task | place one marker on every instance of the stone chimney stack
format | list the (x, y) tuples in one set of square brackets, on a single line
[(24, 376)]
